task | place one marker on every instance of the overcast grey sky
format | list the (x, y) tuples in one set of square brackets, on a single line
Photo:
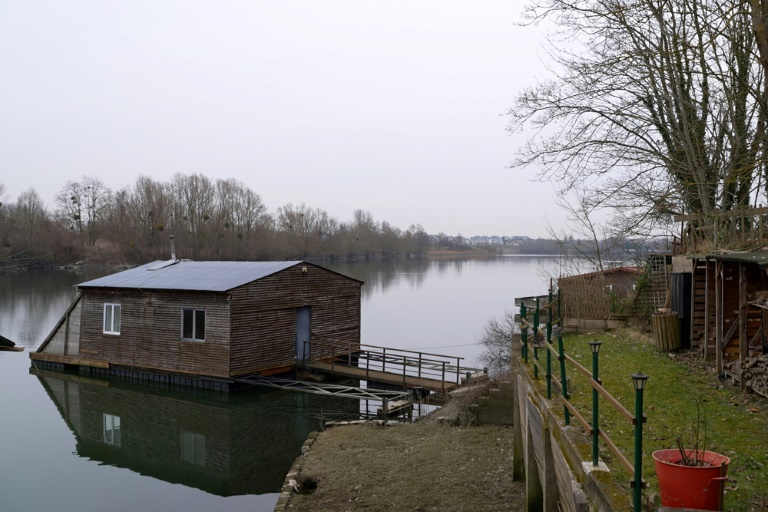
[(392, 107)]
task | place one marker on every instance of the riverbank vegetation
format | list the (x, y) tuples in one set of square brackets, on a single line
[(211, 220)]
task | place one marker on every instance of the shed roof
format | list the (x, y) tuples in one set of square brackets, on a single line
[(213, 276), (606, 272), (758, 257)]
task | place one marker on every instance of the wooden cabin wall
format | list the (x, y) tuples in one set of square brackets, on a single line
[(150, 334), (264, 315)]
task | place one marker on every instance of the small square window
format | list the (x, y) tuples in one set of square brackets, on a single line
[(193, 324), (112, 318)]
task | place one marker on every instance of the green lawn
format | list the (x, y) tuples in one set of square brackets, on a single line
[(736, 423)]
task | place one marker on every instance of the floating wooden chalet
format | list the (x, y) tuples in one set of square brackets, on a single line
[(209, 320)]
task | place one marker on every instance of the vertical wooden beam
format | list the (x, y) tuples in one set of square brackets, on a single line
[(743, 340), (707, 287), (719, 316), (518, 447)]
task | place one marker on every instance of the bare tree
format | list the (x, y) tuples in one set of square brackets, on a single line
[(83, 206), (193, 207), (496, 341), (240, 215), (30, 216), (656, 107)]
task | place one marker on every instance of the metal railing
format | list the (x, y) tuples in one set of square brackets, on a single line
[(542, 340), (405, 363)]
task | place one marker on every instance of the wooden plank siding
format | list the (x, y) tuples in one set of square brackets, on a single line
[(264, 315), (150, 332)]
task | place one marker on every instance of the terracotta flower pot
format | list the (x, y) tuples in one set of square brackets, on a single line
[(697, 487)]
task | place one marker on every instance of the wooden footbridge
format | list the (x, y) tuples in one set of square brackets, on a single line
[(406, 369), (392, 376)]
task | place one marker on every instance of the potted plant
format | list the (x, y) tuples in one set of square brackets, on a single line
[(689, 475)]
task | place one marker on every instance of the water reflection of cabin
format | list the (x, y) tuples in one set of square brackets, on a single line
[(207, 321), (226, 446)]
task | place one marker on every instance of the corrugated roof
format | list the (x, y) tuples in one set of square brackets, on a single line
[(213, 276), (758, 257)]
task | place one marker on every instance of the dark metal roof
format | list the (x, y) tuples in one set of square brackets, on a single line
[(212, 276), (758, 257)]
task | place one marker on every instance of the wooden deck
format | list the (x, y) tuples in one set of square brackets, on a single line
[(397, 379)]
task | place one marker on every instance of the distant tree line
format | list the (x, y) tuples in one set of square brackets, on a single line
[(210, 219)]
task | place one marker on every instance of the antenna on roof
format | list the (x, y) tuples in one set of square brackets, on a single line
[(173, 250)]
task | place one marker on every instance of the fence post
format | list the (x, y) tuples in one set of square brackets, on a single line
[(524, 332), (549, 316), (549, 363), (561, 358), (442, 379), (458, 371), (638, 380), (595, 347)]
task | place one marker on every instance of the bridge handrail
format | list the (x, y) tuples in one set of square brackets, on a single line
[(398, 359)]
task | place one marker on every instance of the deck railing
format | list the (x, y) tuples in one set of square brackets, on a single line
[(542, 340), (408, 363)]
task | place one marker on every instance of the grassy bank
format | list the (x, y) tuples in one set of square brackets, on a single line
[(736, 424)]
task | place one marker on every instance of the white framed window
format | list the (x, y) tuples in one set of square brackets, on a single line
[(193, 448), (193, 324), (112, 318), (111, 429)]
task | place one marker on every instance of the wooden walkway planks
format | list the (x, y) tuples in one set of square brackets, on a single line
[(408, 381)]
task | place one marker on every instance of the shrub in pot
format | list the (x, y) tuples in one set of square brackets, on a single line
[(689, 475)]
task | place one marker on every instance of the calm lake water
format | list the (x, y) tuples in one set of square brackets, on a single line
[(69, 443)]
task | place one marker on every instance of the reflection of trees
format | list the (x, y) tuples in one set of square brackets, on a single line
[(31, 303), (381, 275)]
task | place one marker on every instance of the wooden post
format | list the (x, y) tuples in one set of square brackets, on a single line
[(719, 317), (384, 360), (419, 364), (458, 370), (442, 379), (708, 286), (743, 341)]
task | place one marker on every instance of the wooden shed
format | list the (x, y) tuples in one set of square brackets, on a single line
[(597, 299), (729, 305), (210, 320)]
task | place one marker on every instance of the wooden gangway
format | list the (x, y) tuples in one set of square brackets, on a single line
[(396, 367)]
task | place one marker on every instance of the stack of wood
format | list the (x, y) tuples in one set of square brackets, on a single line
[(755, 373)]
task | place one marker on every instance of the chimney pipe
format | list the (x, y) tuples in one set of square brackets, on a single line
[(173, 250)]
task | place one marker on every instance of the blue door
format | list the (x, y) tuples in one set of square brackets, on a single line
[(303, 329)]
